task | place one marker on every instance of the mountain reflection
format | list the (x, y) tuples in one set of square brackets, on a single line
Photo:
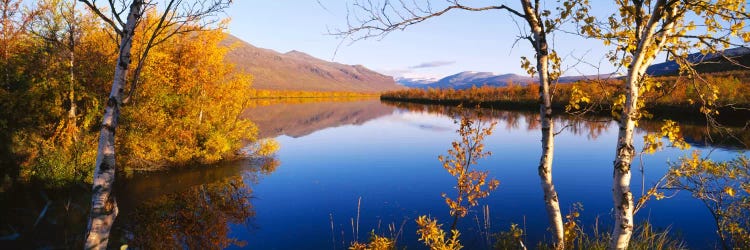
[(297, 118), (300, 117)]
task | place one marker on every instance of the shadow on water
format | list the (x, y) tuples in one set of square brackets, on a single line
[(32, 217), (192, 208)]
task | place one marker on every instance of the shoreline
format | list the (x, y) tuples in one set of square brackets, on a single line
[(728, 116)]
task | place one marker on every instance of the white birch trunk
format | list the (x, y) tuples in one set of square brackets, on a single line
[(651, 41), (103, 205), (71, 95), (552, 204), (545, 162), (551, 201), (622, 197)]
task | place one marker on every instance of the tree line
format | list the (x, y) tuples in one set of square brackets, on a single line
[(670, 93)]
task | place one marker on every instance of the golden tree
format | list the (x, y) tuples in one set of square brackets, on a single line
[(724, 188), (191, 100), (471, 184), (641, 30), (176, 17)]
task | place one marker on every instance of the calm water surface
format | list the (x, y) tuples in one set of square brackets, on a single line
[(388, 157), (336, 156)]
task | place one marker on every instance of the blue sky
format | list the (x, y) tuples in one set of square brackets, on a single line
[(455, 42)]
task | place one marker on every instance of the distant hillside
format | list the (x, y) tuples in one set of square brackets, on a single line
[(415, 82), (296, 70), (713, 62), (468, 79)]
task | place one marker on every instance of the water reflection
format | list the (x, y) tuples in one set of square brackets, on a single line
[(592, 127), (298, 119), (197, 218), (388, 159), (301, 117), (384, 153), (33, 218), (190, 209)]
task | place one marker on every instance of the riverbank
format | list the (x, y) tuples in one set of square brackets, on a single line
[(729, 116)]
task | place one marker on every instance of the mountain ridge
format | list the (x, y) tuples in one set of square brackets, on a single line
[(712, 62), (469, 79), (296, 70)]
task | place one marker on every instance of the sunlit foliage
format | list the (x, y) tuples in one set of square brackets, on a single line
[(652, 143), (671, 131), (471, 184), (432, 235), (42, 139), (266, 147), (376, 242), (598, 95), (724, 188), (56, 68), (187, 109), (579, 237)]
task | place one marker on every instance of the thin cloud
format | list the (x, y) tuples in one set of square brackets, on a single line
[(432, 64), (395, 72)]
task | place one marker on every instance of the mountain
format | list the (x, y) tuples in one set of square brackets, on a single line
[(468, 79), (415, 82), (712, 62), (296, 70)]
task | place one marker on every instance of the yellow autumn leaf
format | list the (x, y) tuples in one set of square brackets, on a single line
[(729, 191)]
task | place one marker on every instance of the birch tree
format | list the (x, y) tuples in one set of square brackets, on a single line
[(57, 24), (368, 19), (122, 17), (641, 30)]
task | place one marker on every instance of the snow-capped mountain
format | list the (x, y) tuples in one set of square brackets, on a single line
[(415, 82), (468, 79)]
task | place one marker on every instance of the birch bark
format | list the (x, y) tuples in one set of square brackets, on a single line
[(551, 201), (651, 39), (103, 204)]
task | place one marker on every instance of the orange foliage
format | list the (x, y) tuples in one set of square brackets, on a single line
[(471, 185), (733, 88), (188, 106)]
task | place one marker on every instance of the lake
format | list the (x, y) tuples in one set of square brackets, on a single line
[(346, 168)]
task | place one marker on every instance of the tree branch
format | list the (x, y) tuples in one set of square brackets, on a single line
[(380, 19), (91, 4)]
